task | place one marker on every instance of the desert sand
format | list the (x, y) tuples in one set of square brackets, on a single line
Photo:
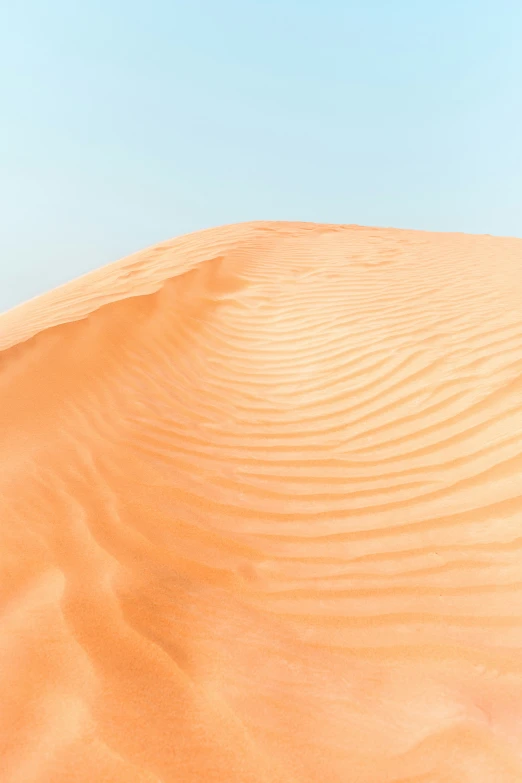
[(261, 513)]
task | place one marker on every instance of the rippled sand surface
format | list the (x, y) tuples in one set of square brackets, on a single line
[(261, 513)]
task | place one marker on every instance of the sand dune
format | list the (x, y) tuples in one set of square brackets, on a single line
[(261, 513)]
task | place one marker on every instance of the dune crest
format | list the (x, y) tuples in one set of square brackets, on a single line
[(261, 504)]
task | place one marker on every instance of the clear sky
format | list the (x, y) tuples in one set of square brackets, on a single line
[(124, 123)]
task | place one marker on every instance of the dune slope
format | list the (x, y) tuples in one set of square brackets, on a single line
[(261, 513)]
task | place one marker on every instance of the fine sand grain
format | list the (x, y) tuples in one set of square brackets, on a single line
[(261, 513)]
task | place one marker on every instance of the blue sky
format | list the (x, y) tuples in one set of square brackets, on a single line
[(127, 123)]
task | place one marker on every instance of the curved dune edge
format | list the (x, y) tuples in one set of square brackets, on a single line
[(261, 503)]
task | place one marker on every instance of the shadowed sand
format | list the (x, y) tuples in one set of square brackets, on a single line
[(261, 513)]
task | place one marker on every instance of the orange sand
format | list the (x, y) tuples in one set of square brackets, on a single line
[(261, 513)]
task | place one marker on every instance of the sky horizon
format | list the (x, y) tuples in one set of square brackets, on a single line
[(126, 125)]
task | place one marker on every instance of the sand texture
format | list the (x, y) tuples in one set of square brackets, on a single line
[(261, 513)]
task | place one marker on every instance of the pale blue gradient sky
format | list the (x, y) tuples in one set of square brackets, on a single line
[(125, 123)]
